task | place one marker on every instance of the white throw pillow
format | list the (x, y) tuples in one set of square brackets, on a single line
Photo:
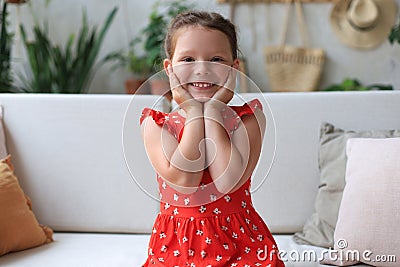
[(368, 226)]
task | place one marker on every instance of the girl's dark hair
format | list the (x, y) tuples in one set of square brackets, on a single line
[(203, 19)]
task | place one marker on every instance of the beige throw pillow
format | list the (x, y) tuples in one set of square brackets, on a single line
[(19, 228), (368, 228), (319, 228)]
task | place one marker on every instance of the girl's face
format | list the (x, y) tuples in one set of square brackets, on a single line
[(202, 59)]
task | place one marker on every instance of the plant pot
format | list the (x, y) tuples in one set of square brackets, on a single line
[(16, 1), (160, 87), (132, 85)]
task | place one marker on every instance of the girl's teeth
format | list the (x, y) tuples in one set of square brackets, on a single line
[(201, 85)]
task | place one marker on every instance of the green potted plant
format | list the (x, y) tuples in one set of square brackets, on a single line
[(154, 33), (136, 64), (153, 38), (5, 53), (394, 35), (354, 85), (63, 69)]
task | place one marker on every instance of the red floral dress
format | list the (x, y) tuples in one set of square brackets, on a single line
[(207, 228)]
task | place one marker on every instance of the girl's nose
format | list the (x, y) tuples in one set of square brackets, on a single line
[(202, 68)]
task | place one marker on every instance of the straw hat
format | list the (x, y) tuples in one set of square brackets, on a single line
[(363, 23)]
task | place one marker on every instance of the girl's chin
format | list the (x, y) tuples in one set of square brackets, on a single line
[(202, 99), (202, 96)]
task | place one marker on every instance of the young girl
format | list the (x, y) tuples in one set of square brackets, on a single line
[(204, 154)]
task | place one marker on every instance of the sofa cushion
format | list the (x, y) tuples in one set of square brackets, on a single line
[(319, 228), (83, 250), (122, 250), (369, 212), (19, 228)]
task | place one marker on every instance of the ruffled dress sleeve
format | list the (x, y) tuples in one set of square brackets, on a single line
[(233, 115), (248, 108), (158, 116), (173, 122)]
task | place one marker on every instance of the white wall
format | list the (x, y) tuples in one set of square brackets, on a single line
[(380, 65)]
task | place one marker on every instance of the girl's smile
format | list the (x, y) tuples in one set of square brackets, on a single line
[(201, 91), (201, 85)]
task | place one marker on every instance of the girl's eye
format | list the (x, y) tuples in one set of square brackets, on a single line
[(188, 59), (217, 59)]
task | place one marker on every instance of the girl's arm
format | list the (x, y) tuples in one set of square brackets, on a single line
[(252, 127), (232, 160), (181, 164)]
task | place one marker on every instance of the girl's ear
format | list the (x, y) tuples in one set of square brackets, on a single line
[(167, 62), (236, 63)]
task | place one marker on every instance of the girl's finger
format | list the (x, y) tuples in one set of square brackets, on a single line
[(174, 81), (230, 82)]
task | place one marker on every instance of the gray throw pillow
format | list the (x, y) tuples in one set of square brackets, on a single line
[(319, 228)]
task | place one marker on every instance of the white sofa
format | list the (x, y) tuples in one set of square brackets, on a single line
[(76, 156)]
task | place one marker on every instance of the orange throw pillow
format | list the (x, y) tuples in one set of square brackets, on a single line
[(19, 228)]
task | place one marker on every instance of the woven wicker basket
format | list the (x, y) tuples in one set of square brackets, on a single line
[(291, 68)]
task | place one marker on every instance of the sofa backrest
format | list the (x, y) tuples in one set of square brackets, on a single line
[(286, 198), (69, 155)]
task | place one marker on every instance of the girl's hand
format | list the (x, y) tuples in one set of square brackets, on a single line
[(224, 94), (181, 96)]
